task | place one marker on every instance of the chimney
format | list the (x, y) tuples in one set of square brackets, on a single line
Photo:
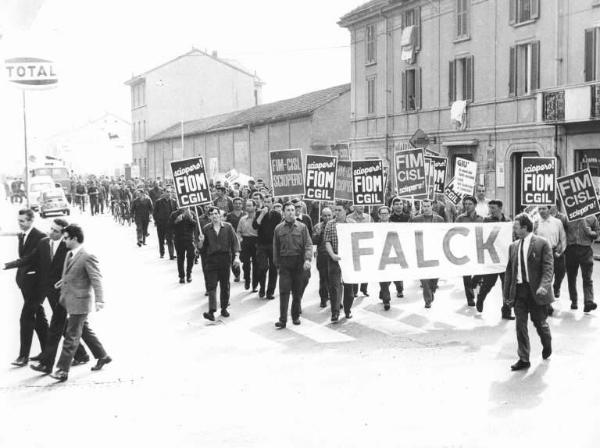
[(214, 54)]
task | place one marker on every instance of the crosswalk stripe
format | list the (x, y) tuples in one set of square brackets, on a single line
[(319, 333)]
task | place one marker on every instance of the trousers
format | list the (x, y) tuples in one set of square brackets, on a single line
[(291, 280), (33, 318), (577, 257), (185, 251), (164, 233), (323, 268), (217, 269), (77, 330), (525, 305), (141, 228), (248, 259), (338, 291), (264, 256)]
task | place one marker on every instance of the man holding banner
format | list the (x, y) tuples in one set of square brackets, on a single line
[(470, 215), (429, 285)]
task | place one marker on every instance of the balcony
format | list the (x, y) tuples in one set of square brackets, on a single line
[(570, 105)]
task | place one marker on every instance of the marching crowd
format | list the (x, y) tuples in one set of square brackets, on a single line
[(247, 232)]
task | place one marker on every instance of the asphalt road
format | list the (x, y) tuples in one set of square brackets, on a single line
[(408, 377)]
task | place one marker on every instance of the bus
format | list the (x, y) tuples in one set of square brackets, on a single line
[(54, 168)]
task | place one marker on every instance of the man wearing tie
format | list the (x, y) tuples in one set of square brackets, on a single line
[(528, 287), (80, 276), (32, 314), (51, 258)]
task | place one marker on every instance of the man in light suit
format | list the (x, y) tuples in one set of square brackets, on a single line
[(528, 287), (51, 260), (28, 280), (80, 275)]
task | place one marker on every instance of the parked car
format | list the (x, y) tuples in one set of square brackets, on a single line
[(37, 185), (54, 201)]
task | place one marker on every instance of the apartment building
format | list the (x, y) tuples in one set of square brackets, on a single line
[(487, 80)]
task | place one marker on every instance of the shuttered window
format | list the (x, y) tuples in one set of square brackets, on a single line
[(462, 18), (371, 43), (524, 69), (412, 17), (371, 95), (411, 89), (592, 54), (523, 11), (461, 75)]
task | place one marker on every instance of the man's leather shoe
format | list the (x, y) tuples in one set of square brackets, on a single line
[(296, 321), (557, 293), (36, 358), (386, 306), (348, 315), (172, 258), (225, 313), (335, 317), (236, 279), (270, 297), (78, 362), (43, 368), (139, 244), (247, 286), (189, 278), (210, 316), (520, 365), (280, 324), (60, 375), (323, 304), (21, 361), (470, 302), (479, 304), (546, 352), (428, 305), (261, 294), (182, 280), (574, 305), (589, 306), (399, 295), (101, 362)]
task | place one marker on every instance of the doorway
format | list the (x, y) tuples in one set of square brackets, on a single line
[(516, 166)]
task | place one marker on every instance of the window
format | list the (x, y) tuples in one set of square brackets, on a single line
[(462, 18), (412, 17), (371, 43), (411, 89), (461, 76), (523, 11), (133, 132), (524, 69), (144, 130), (592, 54), (371, 95), (138, 95)]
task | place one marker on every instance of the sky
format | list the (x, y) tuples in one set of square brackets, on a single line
[(294, 46)]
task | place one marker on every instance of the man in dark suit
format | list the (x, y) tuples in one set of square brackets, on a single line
[(141, 209), (163, 207), (32, 314), (528, 287), (51, 259), (81, 275)]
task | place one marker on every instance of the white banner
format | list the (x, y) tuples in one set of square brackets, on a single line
[(378, 252)]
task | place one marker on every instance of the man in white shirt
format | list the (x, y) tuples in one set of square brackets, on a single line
[(552, 229)]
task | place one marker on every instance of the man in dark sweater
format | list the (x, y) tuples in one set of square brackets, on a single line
[(265, 223), (427, 215), (399, 215), (185, 233), (141, 209), (233, 218), (470, 215)]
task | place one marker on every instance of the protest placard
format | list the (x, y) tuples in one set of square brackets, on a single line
[(378, 252), (409, 173), (578, 195), (538, 181), (440, 165), (287, 177), (450, 192), (320, 177), (465, 173), (343, 181), (368, 186), (191, 184)]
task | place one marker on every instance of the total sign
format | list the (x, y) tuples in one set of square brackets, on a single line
[(31, 72)]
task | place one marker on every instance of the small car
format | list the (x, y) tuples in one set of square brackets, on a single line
[(54, 201)]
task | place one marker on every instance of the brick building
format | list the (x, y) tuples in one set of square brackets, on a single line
[(488, 80), (317, 122)]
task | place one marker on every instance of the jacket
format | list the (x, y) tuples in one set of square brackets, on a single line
[(50, 268), (163, 209), (27, 263), (80, 276), (540, 269)]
